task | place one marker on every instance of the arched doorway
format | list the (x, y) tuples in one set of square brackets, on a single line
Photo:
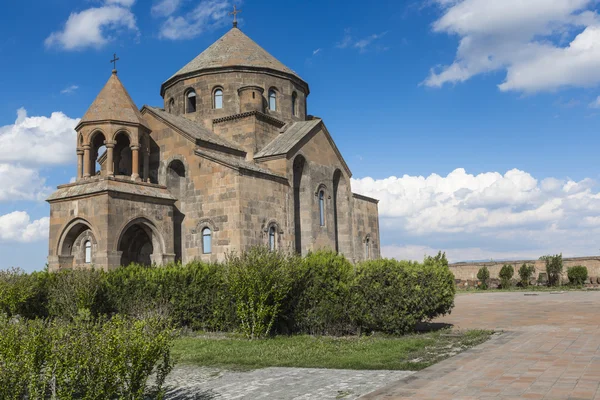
[(77, 245), (139, 243)]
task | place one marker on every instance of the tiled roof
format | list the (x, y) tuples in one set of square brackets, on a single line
[(283, 143), (194, 129), (234, 49), (96, 185), (236, 162), (114, 103)]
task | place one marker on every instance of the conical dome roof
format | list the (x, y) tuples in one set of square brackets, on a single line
[(113, 103), (234, 49)]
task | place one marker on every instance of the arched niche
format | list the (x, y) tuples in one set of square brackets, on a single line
[(342, 214), (140, 242)]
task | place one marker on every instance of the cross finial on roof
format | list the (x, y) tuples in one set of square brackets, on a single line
[(235, 12), (114, 61)]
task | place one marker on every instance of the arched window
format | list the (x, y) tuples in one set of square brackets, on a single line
[(206, 241), (294, 105), (368, 248), (190, 101), (322, 207), (171, 106), (218, 101), (272, 100), (88, 252), (272, 238)]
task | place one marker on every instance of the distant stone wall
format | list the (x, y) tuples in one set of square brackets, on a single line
[(468, 271)]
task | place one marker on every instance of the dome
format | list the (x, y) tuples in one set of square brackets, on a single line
[(234, 49)]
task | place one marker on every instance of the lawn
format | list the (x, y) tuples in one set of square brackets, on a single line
[(408, 353)]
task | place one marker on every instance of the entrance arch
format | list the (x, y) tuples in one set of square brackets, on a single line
[(140, 243), (71, 248)]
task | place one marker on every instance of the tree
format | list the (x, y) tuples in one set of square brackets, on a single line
[(484, 276), (506, 274), (526, 272), (554, 268)]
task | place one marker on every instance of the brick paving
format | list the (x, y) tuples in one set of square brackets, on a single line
[(549, 349)]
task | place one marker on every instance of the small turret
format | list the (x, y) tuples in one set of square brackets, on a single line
[(251, 99)]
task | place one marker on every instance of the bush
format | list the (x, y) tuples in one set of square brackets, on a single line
[(484, 276), (83, 359), (259, 281), (506, 274), (578, 275), (73, 292), (394, 296), (322, 295), (554, 268), (23, 294), (525, 273)]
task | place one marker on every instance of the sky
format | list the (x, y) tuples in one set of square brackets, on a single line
[(473, 121)]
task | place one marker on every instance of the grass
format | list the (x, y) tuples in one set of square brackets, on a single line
[(408, 353)]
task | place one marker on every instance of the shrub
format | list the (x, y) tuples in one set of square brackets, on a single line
[(16, 290), (259, 281), (484, 276), (525, 273), (577, 275), (394, 296), (554, 268), (84, 359), (73, 292), (506, 274), (322, 291)]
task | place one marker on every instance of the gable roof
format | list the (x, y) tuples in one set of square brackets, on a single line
[(113, 103), (234, 49), (236, 163), (287, 141), (194, 130)]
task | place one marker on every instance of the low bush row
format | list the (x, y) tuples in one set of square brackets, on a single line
[(258, 293), (84, 359)]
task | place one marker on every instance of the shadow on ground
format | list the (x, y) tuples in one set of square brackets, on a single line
[(423, 327)]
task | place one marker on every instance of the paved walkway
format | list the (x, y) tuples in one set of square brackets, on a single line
[(197, 383), (550, 350)]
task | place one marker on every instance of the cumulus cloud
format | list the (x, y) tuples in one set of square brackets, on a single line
[(164, 8), (94, 27), (18, 227), (207, 15), (511, 214), (38, 140), (19, 183), (543, 45)]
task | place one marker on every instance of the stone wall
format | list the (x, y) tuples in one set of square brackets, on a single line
[(468, 271)]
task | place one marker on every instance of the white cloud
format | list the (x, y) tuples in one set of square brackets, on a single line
[(18, 227), (164, 8), (94, 27), (543, 45), (487, 215), (39, 140), (361, 44), (69, 90), (20, 183), (209, 14), (317, 51), (595, 103)]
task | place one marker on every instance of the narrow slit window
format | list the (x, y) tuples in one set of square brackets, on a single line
[(272, 238), (88, 252), (206, 241), (272, 100), (191, 102), (368, 248), (322, 207), (218, 99)]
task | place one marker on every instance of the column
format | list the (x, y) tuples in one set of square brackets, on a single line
[(79, 164), (135, 161), (86, 161), (110, 163), (146, 172)]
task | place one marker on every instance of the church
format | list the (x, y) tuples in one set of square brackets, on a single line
[(230, 161)]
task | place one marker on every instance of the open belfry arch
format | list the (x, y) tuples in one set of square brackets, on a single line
[(230, 160)]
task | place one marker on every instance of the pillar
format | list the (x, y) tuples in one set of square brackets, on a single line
[(110, 163), (146, 171), (135, 161), (79, 164), (87, 161)]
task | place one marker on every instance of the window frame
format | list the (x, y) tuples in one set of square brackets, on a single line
[(321, 197), (272, 238), (272, 96), (188, 102), (222, 96), (204, 236), (87, 249)]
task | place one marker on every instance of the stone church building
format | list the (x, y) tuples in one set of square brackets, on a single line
[(231, 161)]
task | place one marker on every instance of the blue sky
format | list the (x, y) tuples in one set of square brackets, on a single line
[(474, 122)]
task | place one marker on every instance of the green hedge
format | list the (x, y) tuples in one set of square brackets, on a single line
[(258, 293), (578, 275), (84, 359)]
